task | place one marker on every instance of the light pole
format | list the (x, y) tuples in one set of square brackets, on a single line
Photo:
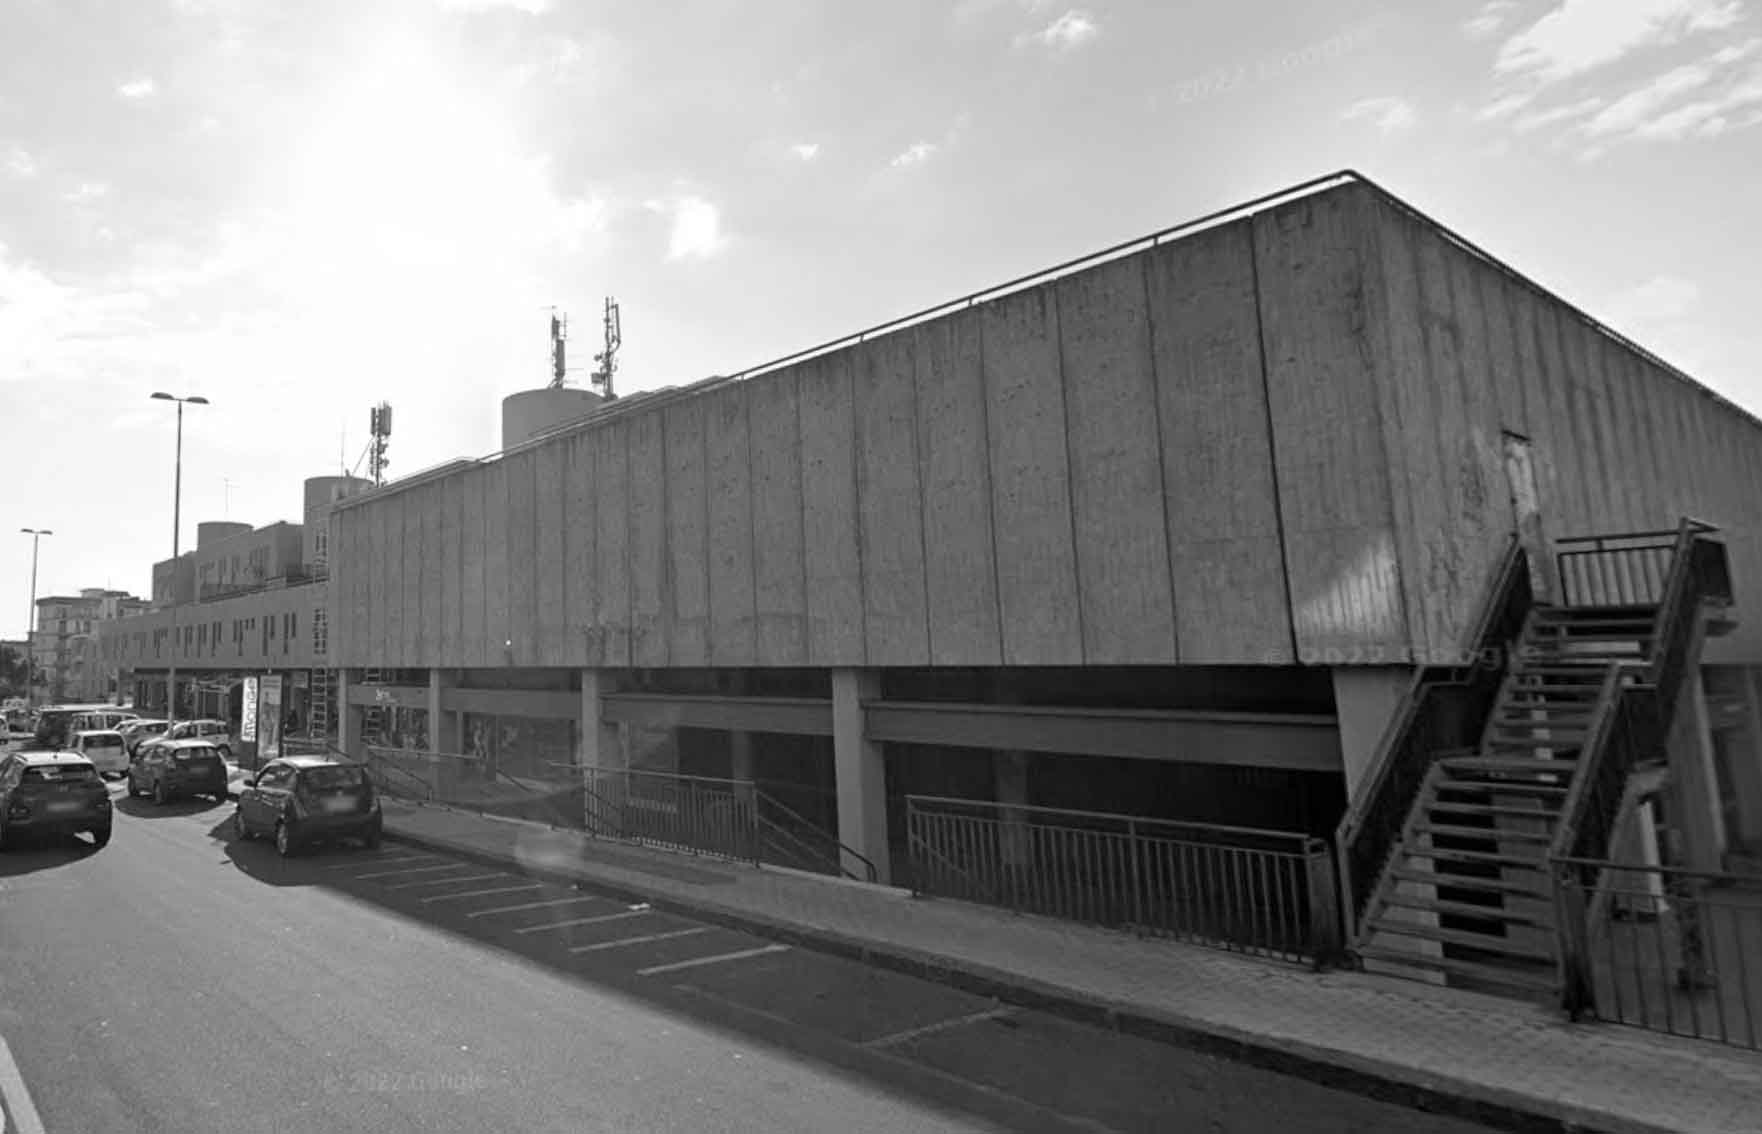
[(30, 626), (177, 503)]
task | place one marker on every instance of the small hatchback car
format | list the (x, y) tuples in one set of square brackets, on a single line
[(52, 793), (175, 769), (300, 800)]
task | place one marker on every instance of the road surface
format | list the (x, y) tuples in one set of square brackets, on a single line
[(179, 981)]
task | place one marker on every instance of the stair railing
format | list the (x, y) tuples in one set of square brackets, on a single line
[(1630, 727), (1445, 709)]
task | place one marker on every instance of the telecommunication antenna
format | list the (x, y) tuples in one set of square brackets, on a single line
[(608, 358), (380, 425), (559, 337)]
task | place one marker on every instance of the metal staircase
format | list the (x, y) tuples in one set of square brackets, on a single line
[(1493, 773)]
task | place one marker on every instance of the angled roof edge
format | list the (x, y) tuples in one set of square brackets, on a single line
[(653, 399)]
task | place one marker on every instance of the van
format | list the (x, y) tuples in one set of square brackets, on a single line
[(104, 748)]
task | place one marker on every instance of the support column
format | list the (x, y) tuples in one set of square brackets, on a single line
[(1696, 815), (1746, 766), (436, 683), (350, 717), (861, 771), (601, 753), (1366, 699)]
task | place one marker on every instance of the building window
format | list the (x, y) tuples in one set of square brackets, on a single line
[(320, 631)]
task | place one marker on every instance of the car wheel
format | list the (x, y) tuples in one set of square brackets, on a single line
[(239, 830), (160, 795), (284, 839), (101, 836)]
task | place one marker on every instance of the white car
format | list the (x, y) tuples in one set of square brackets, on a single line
[(104, 748)]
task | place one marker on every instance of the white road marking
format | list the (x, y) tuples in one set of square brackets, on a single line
[(623, 941), (355, 864), (448, 881), (402, 870), (910, 1034), (25, 1119), (716, 960), (535, 905), (584, 921), (482, 893)]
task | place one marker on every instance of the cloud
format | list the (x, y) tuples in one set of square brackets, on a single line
[(1489, 19), (87, 191), (1069, 32), (1535, 120), (1389, 114), (913, 154), (19, 162), (806, 151), (137, 89), (697, 228), (530, 7), (1581, 35)]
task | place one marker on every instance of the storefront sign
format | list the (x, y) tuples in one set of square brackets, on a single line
[(248, 716)]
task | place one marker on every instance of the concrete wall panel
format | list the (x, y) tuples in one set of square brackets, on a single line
[(498, 560), (452, 575), (1030, 480), (1118, 514), (960, 563), (1315, 288), (890, 505), (380, 611), (829, 512), (574, 641), (688, 551), (474, 619), (410, 637), (1226, 558), (733, 623), (524, 567), (552, 627), (610, 642), (648, 541), (779, 556)]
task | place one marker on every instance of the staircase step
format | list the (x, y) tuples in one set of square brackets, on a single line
[(1515, 748), (1508, 764), (1535, 891), (1503, 787), (1486, 942), (1537, 862), (1464, 909), (1532, 979), (1542, 716), (1492, 809), (1558, 729), (1588, 610), (1490, 834)]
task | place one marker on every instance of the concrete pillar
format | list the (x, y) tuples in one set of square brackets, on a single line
[(1366, 699), (350, 717), (1010, 774), (860, 769), (1696, 814), (436, 683), (1746, 765), (601, 753)]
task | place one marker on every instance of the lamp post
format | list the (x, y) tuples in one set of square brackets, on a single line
[(30, 626), (177, 497)]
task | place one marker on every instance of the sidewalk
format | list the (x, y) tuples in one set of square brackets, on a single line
[(1442, 1049)]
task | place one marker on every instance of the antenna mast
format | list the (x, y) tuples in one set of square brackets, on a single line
[(559, 337), (380, 425), (608, 358)]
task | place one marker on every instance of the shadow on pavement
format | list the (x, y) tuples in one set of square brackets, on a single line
[(176, 809), (28, 854)]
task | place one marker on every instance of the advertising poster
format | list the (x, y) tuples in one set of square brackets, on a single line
[(248, 714), (269, 717)]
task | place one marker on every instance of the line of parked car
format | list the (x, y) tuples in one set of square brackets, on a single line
[(56, 783)]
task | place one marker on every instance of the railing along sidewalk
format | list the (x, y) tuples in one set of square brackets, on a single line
[(1678, 951), (1271, 893)]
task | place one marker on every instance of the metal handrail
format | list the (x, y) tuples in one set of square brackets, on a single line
[(1111, 816), (870, 873)]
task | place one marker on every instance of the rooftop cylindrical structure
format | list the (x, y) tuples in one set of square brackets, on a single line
[(213, 531), (323, 491), (531, 412), (322, 494)]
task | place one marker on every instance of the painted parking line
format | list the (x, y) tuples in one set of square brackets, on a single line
[(742, 955), (449, 881), (405, 870), (910, 1034), (19, 1107), (546, 904), (647, 939), (484, 893), (602, 918), (386, 860)]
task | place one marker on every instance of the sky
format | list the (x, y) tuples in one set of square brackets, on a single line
[(300, 209)]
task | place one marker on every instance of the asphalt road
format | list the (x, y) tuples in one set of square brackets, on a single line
[(179, 981)]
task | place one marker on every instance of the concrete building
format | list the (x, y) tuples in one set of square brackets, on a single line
[(60, 644), (1167, 534)]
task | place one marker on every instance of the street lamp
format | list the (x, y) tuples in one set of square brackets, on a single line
[(177, 497), (30, 626)]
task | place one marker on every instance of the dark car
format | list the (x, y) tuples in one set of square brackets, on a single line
[(176, 769), (52, 793), (301, 800)]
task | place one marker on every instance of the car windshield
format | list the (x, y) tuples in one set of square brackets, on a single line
[(104, 742), (332, 777), (58, 774), (203, 753)]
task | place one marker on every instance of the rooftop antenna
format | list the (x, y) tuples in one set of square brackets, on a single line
[(608, 358), (227, 513), (559, 337), (380, 425)]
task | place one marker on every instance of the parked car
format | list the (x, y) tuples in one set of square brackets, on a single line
[(104, 748), (140, 730), (175, 769), (216, 732), (302, 800), (52, 793)]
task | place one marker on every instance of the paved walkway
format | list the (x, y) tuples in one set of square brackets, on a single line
[(1439, 1048)]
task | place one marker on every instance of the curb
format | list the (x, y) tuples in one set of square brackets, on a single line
[(1369, 1077)]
